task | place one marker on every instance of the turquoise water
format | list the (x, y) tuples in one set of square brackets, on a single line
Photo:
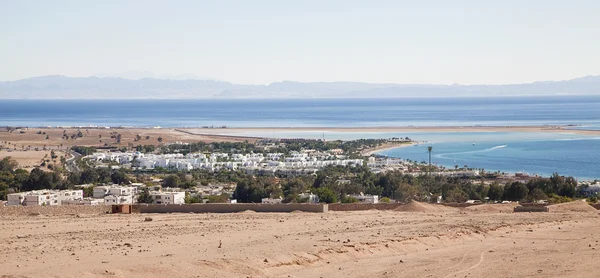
[(542, 154), (510, 152)]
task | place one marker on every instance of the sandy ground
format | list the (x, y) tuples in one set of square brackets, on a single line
[(418, 241), (98, 137), (29, 159), (22, 145)]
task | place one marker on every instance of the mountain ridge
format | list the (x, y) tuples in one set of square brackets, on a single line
[(92, 87)]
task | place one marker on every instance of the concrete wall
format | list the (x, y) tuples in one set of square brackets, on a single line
[(531, 209), (358, 206), (229, 208), (52, 210)]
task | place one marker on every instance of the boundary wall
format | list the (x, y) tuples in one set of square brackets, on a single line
[(229, 208), (53, 210), (359, 206), (531, 209)]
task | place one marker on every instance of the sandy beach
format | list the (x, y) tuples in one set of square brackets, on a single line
[(400, 129), (419, 240)]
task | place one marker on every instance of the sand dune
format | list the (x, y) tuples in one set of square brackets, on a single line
[(575, 206), (490, 208), (415, 206)]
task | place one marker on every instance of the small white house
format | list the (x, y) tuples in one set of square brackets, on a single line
[(166, 198)]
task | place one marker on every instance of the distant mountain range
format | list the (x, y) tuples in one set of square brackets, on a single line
[(63, 87)]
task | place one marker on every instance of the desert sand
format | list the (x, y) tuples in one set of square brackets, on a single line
[(418, 240)]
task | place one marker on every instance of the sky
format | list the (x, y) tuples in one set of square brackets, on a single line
[(264, 41)]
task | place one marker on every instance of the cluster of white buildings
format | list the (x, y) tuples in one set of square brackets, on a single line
[(45, 198), (115, 195), (296, 163)]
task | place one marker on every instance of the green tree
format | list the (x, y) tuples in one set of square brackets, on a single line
[(192, 199), (171, 181), (537, 194), (326, 195), (495, 192), (349, 200), (144, 197), (119, 177), (89, 175), (515, 191)]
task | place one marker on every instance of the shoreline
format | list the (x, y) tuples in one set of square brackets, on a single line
[(232, 131), (388, 146)]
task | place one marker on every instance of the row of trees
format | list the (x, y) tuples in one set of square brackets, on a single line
[(13, 179), (331, 184)]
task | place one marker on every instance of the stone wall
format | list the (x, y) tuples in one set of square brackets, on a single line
[(229, 208), (531, 209), (360, 206), (52, 210)]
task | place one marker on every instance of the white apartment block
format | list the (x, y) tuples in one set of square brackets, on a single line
[(118, 200), (166, 198), (44, 197), (102, 191)]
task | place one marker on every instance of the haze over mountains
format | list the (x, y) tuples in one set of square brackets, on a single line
[(63, 87)]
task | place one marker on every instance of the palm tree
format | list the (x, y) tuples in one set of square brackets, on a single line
[(429, 149)]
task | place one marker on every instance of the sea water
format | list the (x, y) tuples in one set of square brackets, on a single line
[(539, 153)]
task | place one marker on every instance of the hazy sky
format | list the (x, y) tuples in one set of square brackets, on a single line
[(258, 42)]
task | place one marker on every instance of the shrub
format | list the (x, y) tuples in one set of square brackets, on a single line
[(349, 200)]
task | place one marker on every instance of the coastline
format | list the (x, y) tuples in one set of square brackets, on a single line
[(388, 146), (231, 131)]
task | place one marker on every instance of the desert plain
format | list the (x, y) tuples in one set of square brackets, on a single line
[(415, 240)]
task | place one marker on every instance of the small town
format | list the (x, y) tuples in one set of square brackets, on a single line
[(277, 171)]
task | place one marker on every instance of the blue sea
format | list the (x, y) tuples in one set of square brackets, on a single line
[(540, 153)]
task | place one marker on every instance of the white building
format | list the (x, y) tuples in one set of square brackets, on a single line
[(70, 195), (118, 200), (102, 191), (47, 198), (166, 198), (271, 201), (312, 198), (369, 199), (85, 201), (15, 199)]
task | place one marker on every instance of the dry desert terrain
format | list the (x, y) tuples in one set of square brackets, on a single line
[(417, 240)]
